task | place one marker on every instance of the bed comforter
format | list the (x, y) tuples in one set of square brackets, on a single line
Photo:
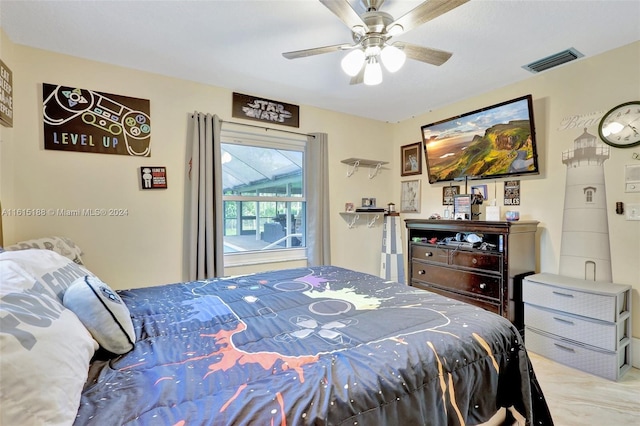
[(311, 346)]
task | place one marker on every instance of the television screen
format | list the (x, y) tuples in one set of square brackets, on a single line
[(492, 142)]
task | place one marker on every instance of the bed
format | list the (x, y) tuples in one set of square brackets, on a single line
[(308, 346)]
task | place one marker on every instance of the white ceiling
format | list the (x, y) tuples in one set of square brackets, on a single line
[(238, 45)]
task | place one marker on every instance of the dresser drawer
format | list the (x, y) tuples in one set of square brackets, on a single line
[(607, 364), (430, 253), (598, 306), (487, 262), (482, 303), (604, 335), (457, 280)]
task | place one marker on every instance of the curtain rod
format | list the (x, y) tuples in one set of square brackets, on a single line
[(267, 128)]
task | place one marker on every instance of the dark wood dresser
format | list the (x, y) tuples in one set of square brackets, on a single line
[(487, 275)]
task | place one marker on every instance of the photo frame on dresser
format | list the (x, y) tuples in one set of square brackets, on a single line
[(448, 193), (480, 193)]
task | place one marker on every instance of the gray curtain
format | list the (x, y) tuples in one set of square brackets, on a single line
[(317, 175), (206, 256)]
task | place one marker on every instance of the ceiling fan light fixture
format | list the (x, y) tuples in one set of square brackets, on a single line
[(372, 50), (352, 62), (392, 58), (372, 72)]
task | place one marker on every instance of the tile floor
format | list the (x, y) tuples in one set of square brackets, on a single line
[(576, 398)]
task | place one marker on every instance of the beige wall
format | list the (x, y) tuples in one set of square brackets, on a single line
[(580, 88), (6, 133), (146, 247)]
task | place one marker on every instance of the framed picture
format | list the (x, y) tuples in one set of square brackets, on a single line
[(411, 156), (368, 202), (447, 194), (479, 192), (410, 198), (348, 207), (511, 192), (153, 177)]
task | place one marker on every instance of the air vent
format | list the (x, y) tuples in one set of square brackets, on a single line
[(553, 60)]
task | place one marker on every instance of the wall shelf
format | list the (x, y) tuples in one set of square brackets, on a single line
[(352, 218), (354, 163)]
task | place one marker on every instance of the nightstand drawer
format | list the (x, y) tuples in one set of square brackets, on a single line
[(430, 254), (610, 365), (605, 335), (600, 300), (591, 305)]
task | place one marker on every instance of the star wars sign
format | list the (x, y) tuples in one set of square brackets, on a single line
[(265, 110)]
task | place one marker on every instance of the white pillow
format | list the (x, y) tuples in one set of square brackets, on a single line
[(45, 350), (103, 312), (60, 245), (53, 272)]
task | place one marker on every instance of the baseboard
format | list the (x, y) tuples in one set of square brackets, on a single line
[(635, 352)]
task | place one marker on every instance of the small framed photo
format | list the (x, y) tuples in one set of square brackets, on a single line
[(410, 197), (348, 207), (369, 202), (479, 193), (511, 192), (153, 177), (448, 192), (411, 156)]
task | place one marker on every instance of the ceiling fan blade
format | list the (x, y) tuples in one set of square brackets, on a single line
[(423, 54), (425, 12), (316, 51), (343, 10)]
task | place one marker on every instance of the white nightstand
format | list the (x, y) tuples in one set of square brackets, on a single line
[(583, 324)]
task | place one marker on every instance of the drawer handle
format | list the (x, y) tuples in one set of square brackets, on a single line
[(565, 348), (563, 321), (421, 272), (428, 254), (474, 261), (483, 286), (563, 294)]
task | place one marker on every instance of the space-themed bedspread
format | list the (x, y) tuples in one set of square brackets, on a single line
[(311, 346)]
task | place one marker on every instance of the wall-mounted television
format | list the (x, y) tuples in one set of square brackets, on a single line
[(493, 142)]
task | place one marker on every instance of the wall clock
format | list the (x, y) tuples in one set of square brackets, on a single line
[(620, 126)]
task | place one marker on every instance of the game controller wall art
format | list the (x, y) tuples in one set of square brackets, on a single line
[(83, 120)]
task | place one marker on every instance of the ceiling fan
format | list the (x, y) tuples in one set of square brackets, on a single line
[(372, 32)]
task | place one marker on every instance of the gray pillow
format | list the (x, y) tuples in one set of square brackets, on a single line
[(60, 245), (102, 312)]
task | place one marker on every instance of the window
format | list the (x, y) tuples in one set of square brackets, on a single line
[(263, 197), (589, 192)]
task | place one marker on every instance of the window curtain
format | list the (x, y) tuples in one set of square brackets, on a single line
[(206, 251), (317, 176)]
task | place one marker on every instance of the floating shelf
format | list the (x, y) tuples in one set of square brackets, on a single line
[(354, 163), (352, 217)]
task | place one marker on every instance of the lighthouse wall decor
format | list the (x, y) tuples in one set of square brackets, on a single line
[(585, 251)]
